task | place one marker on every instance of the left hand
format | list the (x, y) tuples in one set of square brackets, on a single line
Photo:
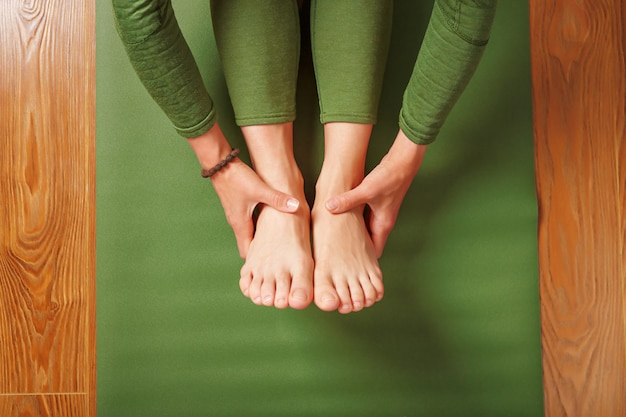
[(383, 189)]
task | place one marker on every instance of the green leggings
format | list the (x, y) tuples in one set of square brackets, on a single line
[(258, 41), (259, 45)]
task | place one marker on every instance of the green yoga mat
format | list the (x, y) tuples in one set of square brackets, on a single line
[(458, 331)]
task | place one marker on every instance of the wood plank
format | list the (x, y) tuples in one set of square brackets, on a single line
[(578, 73), (44, 405), (47, 197)]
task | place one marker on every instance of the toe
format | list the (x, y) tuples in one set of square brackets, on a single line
[(244, 285), (268, 290), (357, 296), (254, 290), (301, 289), (370, 293), (345, 298), (299, 298), (326, 297), (281, 299)]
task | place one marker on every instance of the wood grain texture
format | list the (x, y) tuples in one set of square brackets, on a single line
[(578, 68), (47, 199), (44, 405)]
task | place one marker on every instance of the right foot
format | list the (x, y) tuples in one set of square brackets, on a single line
[(279, 266), (278, 270)]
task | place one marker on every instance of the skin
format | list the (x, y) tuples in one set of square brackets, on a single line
[(383, 189), (279, 267), (347, 277), (238, 187), (340, 272)]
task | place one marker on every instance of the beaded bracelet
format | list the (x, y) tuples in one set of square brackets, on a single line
[(207, 173)]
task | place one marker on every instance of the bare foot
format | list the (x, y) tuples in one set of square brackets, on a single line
[(278, 270), (279, 266), (347, 276)]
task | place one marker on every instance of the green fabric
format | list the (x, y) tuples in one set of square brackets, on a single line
[(164, 63), (350, 40), (453, 45), (259, 46)]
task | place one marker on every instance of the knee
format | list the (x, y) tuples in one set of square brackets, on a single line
[(136, 20)]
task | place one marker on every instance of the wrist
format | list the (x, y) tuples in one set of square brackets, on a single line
[(211, 147), (406, 154)]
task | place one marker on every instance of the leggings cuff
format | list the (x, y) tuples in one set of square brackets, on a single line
[(348, 118), (198, 129), (267, 119)]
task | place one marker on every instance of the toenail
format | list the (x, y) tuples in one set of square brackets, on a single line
[(346, 307), (299, 294), (257, 300), (357, 304), (267, 299), (328, 297)]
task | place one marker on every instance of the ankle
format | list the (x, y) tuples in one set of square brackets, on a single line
[(339, 179)]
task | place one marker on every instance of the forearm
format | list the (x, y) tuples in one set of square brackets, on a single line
[(164, 63), (453, 45), (405, 156)]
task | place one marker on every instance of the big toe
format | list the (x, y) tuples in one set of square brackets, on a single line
[(326, 298), (299, 298)]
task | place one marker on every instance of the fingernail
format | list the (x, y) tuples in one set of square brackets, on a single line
[(293, 204), (332, 204)]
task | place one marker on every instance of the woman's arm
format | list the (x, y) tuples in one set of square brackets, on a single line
[(453, 45)]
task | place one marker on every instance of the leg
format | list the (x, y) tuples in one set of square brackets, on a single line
[(347, 276), (279, 267), (259, 47), (350, 41)]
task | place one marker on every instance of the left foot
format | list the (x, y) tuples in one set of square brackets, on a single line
[(347, 277)]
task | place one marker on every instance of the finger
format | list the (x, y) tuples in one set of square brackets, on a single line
[(379, 240), (379, 232), (278, 200), (244, 231), (347, 201)]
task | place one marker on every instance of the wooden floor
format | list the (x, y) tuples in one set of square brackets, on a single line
[(579, 88), (47, 208), (47, 205)]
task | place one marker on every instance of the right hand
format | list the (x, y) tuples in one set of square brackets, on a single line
[(238, 187), (240, 190)]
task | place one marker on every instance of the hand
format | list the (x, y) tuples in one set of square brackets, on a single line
[(238, 187), (383, 189)]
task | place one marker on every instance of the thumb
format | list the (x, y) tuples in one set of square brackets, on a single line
[(347, 201), (279, 200)]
